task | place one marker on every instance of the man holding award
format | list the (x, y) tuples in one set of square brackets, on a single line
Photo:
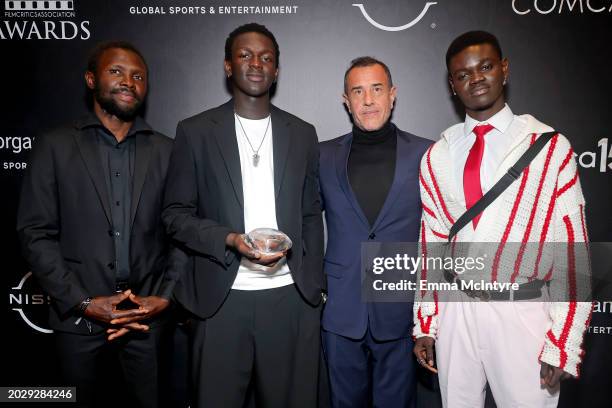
[(243, 166)]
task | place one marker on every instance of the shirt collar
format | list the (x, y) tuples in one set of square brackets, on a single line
[(500, 121), (91, 120)]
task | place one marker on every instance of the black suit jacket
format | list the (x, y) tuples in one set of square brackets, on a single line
[(204, 203), (64, 222)]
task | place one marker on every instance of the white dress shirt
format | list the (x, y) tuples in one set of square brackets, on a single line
[(497, 144), (259, 201)]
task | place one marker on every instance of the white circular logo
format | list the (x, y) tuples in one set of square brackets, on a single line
[(395, 28), (26, 299)]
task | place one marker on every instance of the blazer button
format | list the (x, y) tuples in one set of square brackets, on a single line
[(111, 265), (372, 236)]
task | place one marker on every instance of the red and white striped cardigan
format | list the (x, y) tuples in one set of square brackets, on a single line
[(544, 205)]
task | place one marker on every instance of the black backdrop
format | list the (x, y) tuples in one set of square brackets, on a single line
[(559, 72)]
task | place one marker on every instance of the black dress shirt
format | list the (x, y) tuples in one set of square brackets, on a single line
[(118, 163)]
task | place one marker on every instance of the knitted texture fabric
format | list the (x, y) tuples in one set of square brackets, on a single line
[(544, 205)]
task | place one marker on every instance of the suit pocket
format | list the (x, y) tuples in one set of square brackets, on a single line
[(72, 260)]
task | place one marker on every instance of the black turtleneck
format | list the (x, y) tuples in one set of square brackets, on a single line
[(371, 167)]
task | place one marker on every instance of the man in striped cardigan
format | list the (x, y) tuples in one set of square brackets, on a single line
[(522, 349)]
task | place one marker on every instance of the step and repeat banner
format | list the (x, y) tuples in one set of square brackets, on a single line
[(559, 53)]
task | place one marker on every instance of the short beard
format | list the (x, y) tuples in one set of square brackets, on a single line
[(110, 107)]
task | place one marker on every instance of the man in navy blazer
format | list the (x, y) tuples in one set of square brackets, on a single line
[(369, 182)]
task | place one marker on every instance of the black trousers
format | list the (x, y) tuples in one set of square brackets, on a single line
[(266, 342), (118, 373)]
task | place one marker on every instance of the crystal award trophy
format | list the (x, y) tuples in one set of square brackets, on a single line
[(268, 241)]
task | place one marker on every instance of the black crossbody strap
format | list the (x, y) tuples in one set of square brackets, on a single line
[(513, 173)]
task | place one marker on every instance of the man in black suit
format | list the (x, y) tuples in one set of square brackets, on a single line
[(90, 226), (243, 165)]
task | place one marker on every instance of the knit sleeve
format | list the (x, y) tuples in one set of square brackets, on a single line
[(570, 277), (433, 232)]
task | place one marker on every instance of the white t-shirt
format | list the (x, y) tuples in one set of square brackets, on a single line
[(259, 201)]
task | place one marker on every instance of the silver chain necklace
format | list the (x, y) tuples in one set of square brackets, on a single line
[(255, 152)]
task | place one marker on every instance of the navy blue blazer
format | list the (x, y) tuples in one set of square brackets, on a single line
[(347, 227)]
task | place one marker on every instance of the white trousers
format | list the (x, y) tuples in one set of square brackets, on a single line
[(494, 342)]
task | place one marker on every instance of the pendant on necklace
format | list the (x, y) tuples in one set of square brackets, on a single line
[(255, 159)]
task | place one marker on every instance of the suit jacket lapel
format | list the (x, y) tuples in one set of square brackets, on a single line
[(281, 140), (86, 141), (141, 164), (341, 157), (402, 161), (225, 135)]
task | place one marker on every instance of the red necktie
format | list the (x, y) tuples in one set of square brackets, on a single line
[(471, 174)]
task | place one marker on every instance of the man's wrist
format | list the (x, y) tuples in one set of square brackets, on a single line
[(230, 240), (84, 305)]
